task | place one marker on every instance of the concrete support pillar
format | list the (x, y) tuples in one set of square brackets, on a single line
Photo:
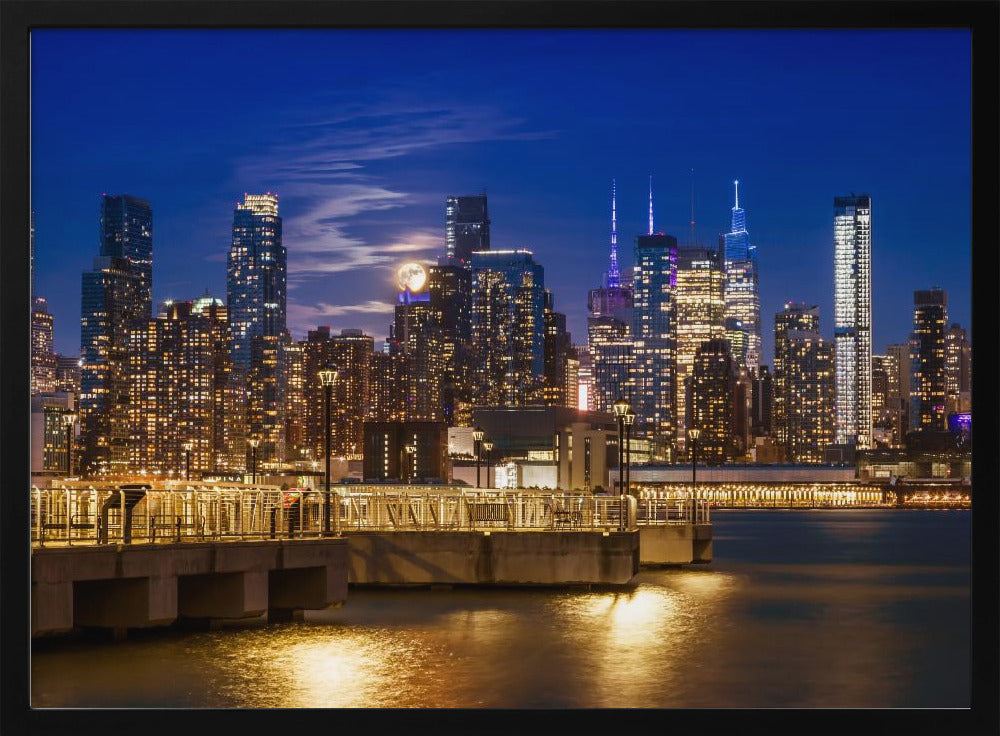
[(51, 607), (225, 595), (125, 602)]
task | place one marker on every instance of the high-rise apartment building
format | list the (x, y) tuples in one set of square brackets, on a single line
[(761, 402), (796, 317), (68, 374), (508, 327), (43, 359), (928, 381), (808, 369), (882, 424), (742, 297), (654, 279), (450, 288), (182, 393), (467, 227), (352, 350), (699, 307), (711, 400), (385, 392), (957, 370), (416, 336), (558, 387), (256, 288), (898, 395), (852, 318), (114, 296)]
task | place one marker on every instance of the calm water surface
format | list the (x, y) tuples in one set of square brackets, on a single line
[(862, 608)]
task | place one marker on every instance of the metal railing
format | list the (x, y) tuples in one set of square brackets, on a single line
[(129, 515)]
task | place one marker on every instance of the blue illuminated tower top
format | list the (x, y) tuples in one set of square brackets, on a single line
[(737, 240), (614, 277)]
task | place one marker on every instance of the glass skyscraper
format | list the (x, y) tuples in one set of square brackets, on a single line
[(741, 291), (654, 279), (114, 295), (256, 299), (467, 226), (928, 373), (508, 327), (853, 319)]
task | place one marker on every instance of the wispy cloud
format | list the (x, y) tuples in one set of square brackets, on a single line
[(304, 317)]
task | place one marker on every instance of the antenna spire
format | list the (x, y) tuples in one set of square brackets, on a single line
[(613, 275), (693, 239), (737, 184), (650, 204)]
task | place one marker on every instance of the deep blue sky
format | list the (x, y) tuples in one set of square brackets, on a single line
[(363, 134)]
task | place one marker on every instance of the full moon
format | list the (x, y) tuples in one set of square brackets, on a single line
[(411, 276)]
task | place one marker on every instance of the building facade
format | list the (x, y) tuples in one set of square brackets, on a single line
[(467, 226), (43, 359), (700, 308), (711, 401), (654, 280), (928, 377), (957, 370), (852, 319), (808, 369), (742, 295)]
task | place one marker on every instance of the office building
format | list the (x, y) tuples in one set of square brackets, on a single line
[(700, 307), (711, 400), (508, 327), (928, 376), (654, 341), (957, 370), (742, 297), (115, 295), (68, 374), (43, 359), (558, 387), (450, 287), (796, 317), (897, 363), (467, 227), (256, 290), (852, 319), (808, 398), (416, 336)]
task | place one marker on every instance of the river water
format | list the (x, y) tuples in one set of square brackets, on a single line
[(840, 608)]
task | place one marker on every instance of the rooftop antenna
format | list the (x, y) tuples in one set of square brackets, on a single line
[(693, 239), (650, 204), (613, 275)]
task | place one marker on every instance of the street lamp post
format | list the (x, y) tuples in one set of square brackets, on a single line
[(628, 419), (253, 442), (694, 434), (187, 460), (327, 377), (477, 438), (488, 446), (621, 408), (69, 418)]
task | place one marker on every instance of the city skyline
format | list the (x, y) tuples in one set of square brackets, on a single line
[(352, 207)]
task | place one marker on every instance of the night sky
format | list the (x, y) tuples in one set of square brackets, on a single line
[(363, 134)]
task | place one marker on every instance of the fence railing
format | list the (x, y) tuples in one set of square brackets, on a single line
[(136, 514)]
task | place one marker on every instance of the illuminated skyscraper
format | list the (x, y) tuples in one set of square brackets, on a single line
[(609, 330), (416, 336), (385, 390), (898, 394), (182, 390), (794, 318), (853, 318), (43, 359), (467, 227), (654, 341), (742, 312), (558, 387), (114, 296), (256, 289), (711, 400), (957, 370), (699, 305), (808, 368), (450, 288), (508, 327), (928, 379), (882, 425)]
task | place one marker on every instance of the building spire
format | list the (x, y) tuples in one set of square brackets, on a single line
[(737, 185), (650, 204), (739, 221), (613, 275), (694, 241)]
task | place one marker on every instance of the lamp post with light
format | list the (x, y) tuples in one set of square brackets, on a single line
[(694, 434), (253, 442), (621, 408), (629, 420), (477, 439), (488, 446), (327, 377), (69, 419), (188, 446)]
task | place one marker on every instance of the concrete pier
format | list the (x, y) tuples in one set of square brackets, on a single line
[(675, 544), (493, 558), (129, 586)]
